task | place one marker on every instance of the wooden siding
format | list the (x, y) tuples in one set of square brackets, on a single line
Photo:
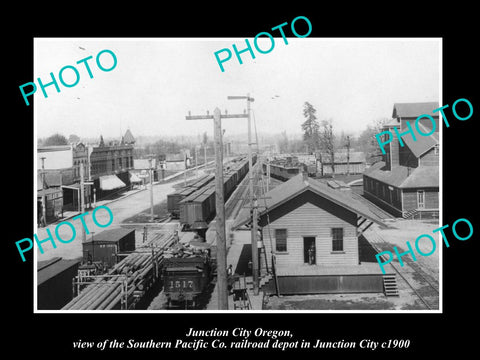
[(407, 157), (385, 193), (430, 158), (394, 153), (312, 217), (354, 168), (410, 199), (333, 284), (373, 191)]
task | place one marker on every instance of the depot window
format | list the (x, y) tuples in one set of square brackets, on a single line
[(281, 240), (337, 239)]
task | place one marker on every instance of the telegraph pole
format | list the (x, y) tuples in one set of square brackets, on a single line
[(196, 161), (151, 187), (82, 200), (255, 264), (348, 155), (44, 200), (220, 204)]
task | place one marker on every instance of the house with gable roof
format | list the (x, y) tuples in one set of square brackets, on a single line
[(406, 182), (311, 236)]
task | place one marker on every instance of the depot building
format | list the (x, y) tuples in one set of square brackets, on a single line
[(312, 239)]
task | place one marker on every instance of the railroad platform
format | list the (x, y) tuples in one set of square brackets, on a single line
[(235, 253)]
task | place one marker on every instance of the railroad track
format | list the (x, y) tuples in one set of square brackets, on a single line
[(418, 279), (240, 198), (127, 282)]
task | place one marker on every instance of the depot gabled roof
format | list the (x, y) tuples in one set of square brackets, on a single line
[(413, 110), (403, 177), (299, 184)]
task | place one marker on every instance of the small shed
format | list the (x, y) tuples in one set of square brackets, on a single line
[(54, 282), (106, 246)]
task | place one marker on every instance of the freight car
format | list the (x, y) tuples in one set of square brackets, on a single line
[(197, 209), (185, 279), (174, 198)]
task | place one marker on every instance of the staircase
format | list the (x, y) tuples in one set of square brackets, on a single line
[(410, 213), (390, 285), (263, 281)]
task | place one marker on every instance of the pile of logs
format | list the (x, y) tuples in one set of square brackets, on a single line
[(121, 286), (184, 250)]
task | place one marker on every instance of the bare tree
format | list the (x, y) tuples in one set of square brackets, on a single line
[(368, 143), (327, 141)]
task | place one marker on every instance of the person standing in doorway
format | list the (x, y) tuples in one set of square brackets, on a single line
[(311, 255)]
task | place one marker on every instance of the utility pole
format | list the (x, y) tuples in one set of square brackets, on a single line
[(82, 199), (252, 195), (268, 175), (348, 155), (205, 153), (44, 200), (185, 172), (151, 186), (196, 161), (93, 247), (220, 204)]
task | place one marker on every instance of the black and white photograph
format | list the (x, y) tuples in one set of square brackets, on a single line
[(321, 182), (219, 180)]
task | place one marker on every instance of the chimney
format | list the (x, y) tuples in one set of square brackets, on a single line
[(304, 175)]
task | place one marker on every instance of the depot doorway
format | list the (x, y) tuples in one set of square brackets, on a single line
[(309, 250)]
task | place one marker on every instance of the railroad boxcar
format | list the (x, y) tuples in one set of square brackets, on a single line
[(173, 199), (185, 279), (200, 205)]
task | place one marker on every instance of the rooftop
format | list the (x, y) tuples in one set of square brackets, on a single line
[(341, 157), (111, 235), (297, 185), (414, 110), (128, 137), (404, 177), (51, 268)]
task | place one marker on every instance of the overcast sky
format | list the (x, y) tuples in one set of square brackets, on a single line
[(157, 81)]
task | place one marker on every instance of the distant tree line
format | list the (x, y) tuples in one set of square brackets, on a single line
[(320, 138)]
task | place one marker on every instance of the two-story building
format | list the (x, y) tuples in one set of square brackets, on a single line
[(406, 182), (110, 164), (59, 167)]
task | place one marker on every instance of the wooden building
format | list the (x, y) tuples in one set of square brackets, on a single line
[(344, 163), (310, 235), (106, 246), (54, 282), (61, 167), (406, 182)]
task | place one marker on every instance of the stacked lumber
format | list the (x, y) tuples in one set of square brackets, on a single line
[(119, 288)]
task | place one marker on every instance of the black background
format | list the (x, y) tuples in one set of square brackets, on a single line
[(53, 334)]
